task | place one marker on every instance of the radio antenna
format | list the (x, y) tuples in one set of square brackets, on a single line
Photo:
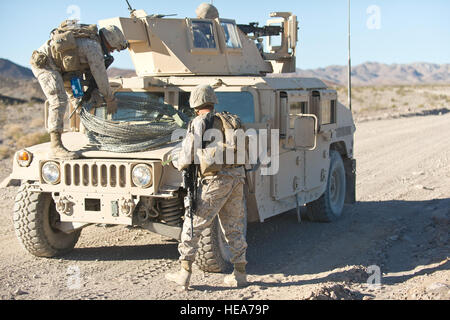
[(130, 8), (349, 58)]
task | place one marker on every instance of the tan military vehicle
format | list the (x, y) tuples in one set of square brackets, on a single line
[(315, 170)]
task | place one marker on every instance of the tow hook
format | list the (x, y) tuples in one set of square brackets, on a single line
[(63, 206), (127, 207)]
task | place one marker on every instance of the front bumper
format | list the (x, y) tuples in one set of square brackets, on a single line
[(95, 191)]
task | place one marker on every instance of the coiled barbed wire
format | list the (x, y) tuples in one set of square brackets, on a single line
[(141, 124)]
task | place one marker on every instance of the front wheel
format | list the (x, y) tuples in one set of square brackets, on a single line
[(330, 206), (35, 220)]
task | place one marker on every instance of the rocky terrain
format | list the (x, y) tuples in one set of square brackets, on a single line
[(399, 228), (393, 244)]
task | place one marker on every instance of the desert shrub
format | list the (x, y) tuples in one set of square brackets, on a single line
[(32, 139), (401, 92), (3, 118), (37, 123), (5, 152), (13, 131)]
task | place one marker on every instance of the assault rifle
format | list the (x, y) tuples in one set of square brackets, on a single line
[(190, 176), (92, 85)]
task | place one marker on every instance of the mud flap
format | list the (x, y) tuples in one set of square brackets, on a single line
[(163, 230), (9, 182), (350, 174)]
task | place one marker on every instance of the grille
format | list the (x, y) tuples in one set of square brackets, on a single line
[(99, 175)]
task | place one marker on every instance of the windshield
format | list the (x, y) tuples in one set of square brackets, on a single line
[(238, 103), (140, 106), (143, 121)]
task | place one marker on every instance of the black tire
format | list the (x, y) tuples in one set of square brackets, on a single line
[(214, 254), (211, 256), (330, 206), (34, 218)]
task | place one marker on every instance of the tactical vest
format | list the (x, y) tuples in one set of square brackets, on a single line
[(64, 46), (228, 124)]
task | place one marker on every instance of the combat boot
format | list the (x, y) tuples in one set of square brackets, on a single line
[(238, 279), (57, 150), (182, 277)]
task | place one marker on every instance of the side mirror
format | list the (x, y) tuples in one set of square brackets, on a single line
[(293, 32), (305, 132)]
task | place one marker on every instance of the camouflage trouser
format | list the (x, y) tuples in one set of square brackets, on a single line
[(221, 196), (57, 95)]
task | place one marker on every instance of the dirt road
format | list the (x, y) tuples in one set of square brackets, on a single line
[(400, 226)]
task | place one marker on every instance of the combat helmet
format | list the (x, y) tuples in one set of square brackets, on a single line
[(115, 37), (207, 11), (201, 96)]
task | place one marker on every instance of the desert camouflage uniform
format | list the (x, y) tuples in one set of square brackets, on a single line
[(220, 195), (57, 90)]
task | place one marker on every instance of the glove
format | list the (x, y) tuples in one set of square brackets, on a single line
[(111, 106), (96, 98)]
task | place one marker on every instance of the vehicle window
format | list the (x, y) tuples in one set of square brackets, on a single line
[(135, 106), (298, 108), (203, 32), (328, 114), (238, 103), (231, 35)]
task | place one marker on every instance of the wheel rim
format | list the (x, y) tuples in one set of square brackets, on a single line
[(333, 188), (336, 191)]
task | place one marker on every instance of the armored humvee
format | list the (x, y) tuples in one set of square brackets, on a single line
[(316, 169)]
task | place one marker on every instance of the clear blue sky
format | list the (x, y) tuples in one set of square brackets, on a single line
[(394, 31)]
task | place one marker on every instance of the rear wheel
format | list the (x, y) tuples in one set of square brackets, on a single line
[(214, 254), (330, 206), (35, 221)]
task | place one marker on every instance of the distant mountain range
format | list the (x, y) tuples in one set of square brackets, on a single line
[(11, 70), (367, 74), (375, 74)]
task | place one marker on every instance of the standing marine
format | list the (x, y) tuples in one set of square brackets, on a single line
[(221, 191), (74, 53)]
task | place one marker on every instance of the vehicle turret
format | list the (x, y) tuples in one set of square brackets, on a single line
[(161, 46)]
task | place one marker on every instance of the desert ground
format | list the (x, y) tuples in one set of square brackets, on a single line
[(399, 225)]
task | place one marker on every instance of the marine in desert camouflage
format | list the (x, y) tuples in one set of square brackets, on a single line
[(221, 195), (73, 51)]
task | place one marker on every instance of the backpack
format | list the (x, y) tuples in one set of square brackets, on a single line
[(207, 155), (64, 46)]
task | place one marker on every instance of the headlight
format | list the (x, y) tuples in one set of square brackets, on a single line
[(24, 158), (51, 173), (175, 157), (142, 176)]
